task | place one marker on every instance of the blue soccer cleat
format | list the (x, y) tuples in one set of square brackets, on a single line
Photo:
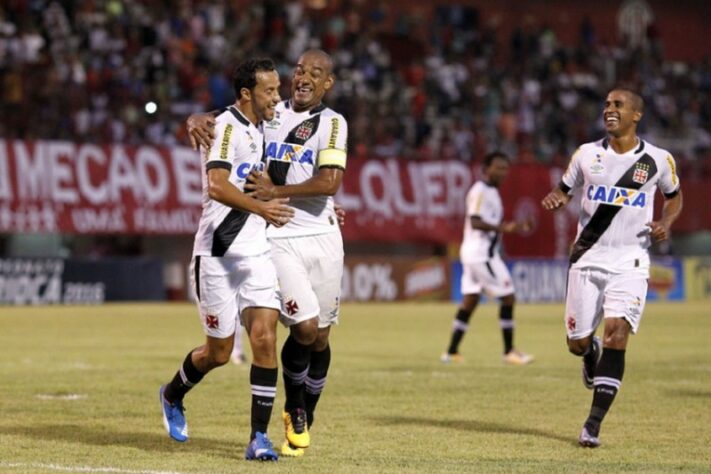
[(174, 418), (260, 449)]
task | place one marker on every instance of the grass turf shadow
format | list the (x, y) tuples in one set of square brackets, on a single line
[(158, 441), (472, 425)]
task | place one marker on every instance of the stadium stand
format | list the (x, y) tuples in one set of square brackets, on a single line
[(428, 82)]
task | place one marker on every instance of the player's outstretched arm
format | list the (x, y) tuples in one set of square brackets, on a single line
[(555, 199), (275, 212), (670, 211), (505, 227), (201, 129)]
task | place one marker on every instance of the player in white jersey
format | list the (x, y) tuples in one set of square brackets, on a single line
[(609, 261), (306, 155), (232, 271), (482, 266)]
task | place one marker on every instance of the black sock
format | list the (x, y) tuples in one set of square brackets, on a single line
[(295, 359), (608, 377), (264, 383), (315, 381), (186, 378), (507, 326), (459, 327), (590, 355)]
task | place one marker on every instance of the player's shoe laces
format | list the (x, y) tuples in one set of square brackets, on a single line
[(297, 433), (516, 357), (589, 366), (587, 440), (447, 358), (174, 418), (289, 450), (260, 449)]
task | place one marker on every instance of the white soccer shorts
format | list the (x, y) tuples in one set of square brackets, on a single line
[(491, 276), (310, 269), (594, 294), (225, 286)]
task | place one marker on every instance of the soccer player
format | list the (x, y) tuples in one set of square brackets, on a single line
[(306, 155), (609, 261), (232, 271), (482, 266)]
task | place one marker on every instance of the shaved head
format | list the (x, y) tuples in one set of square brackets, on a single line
[(321, 56)]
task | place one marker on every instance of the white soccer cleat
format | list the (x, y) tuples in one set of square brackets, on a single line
[(516, 357)]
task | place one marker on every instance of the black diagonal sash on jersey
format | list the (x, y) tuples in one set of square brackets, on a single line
[(227, 231), (299, 135), (603, 215)]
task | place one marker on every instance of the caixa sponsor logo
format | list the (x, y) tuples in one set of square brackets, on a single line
[(616, 196), (244, 169), (289, 153)]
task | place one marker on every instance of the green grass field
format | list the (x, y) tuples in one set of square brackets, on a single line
[(389, 405)]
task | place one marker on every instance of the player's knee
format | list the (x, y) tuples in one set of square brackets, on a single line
[(508, 300), (578, 346), (263, 341), (218, 356), (306, 332)]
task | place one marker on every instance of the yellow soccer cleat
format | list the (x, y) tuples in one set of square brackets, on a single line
[(447, 358), (297, 433), (291, 451), (516, 357)]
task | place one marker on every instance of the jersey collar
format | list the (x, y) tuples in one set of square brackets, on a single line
[(319, 108), (606, 145), (239, 116)]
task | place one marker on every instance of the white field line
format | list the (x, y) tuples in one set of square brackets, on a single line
[(59, 467)]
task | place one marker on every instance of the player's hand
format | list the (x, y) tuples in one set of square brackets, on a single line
[(555, 200), (508, 227), (201, 130), (340, 214), (276, 212), (525, 225), (260, 186), (659, 231)]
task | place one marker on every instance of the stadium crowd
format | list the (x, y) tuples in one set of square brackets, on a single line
[(411, 87)]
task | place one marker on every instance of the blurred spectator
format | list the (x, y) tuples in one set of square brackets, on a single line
[(415, 84)]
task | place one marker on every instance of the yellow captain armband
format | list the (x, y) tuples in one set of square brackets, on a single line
[(332, 157)]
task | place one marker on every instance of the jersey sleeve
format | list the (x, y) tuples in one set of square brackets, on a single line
[(333, 150), (668, 179), (573, 176), (222, 152), (475, 202)]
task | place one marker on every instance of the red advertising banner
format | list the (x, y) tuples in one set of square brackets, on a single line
[(400, 201), (48, 186)]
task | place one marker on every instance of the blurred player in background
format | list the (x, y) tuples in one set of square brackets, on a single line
[(609, 261), (482, 266), (306, 156), (232, 271)]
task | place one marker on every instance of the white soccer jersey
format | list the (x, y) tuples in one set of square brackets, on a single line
[(483, 201), (297, 145), (617, 202), (224, 231)]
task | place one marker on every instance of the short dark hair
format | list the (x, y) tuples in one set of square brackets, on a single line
[(637, 100), (245, 75), (490, 157)]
